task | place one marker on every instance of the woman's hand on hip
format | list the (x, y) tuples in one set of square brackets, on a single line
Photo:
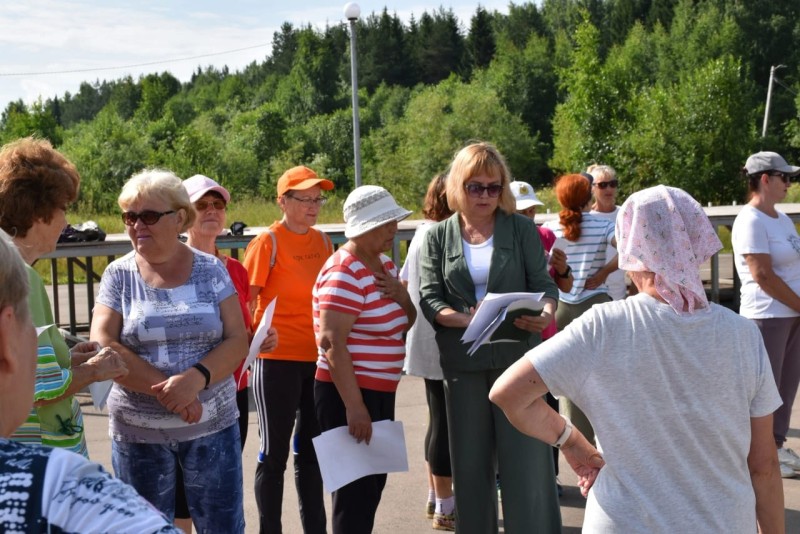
[(179, 391), (359, 423)]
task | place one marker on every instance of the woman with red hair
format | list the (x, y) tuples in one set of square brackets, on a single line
[(588, 236)]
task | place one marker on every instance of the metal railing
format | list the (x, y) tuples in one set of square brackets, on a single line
[(80, 295)]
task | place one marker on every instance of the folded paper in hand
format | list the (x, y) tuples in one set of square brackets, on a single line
[(494, 320)]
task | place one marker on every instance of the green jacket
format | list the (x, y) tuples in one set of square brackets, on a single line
[(518, 264)]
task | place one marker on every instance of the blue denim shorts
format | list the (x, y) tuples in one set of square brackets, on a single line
[(212, 474)]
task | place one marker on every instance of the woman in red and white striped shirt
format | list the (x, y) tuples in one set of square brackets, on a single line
[(361, 311)]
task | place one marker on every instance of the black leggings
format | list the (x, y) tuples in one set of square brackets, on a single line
[(437, 443)]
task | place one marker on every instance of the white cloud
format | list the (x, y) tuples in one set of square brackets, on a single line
[(56, 35)]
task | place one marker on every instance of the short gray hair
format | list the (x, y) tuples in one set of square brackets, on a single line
[(158, 184), (13, 277)]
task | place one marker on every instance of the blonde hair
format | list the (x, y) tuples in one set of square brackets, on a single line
[(470, 161), (602, 170), (162, 185)]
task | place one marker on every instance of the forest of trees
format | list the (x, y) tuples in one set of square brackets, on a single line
[(666, 91)]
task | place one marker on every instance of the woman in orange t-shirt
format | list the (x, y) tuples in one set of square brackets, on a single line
[(283, 262)]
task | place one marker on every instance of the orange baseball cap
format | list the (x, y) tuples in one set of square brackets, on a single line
[(299, 178)]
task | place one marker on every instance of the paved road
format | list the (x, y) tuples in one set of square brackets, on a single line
[(401, 509)]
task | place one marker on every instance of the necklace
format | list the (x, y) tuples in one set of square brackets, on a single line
[(475, 235)]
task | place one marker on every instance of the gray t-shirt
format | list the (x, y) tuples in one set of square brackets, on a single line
[(172, 329), (670, 398)]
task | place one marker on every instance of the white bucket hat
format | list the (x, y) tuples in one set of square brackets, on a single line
[(524, 195), (368, 207)]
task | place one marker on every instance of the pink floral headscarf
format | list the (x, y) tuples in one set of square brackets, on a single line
[(664, 230)]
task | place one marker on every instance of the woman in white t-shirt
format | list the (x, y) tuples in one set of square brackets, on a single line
[(605, 187), (766, 250)]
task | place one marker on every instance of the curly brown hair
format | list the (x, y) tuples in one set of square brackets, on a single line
[(35, 181), (435, 207), (573, 192)]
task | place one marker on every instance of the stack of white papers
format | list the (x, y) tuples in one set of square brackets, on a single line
[(491, 314)]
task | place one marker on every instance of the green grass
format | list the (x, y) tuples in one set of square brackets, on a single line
[(257, 212)]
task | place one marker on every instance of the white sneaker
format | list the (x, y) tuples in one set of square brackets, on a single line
[(786, 471), (789, 457)]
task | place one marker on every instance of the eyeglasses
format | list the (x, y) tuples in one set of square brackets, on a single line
[(477, 190), (784, 177), (611, 183), (148, 217), (319, 201), (217, 204)]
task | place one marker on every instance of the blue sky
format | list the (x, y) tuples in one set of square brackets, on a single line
[(44, 36)]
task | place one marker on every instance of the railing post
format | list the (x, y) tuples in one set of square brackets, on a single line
[(73, 327), (54, 285)]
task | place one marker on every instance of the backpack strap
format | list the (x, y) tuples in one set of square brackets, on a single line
[(274, 254), (328, 243)]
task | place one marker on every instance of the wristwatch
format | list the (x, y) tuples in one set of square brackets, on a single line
[(562, 439), (566, 273)]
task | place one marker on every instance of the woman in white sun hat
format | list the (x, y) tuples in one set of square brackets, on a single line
[(766, 251), (361, 311)]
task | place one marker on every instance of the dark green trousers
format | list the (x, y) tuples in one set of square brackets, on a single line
[(483, 442)]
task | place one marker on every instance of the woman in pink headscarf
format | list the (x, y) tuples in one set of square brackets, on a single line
[(646, 370)]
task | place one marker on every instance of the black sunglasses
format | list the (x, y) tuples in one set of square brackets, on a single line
[(148, 217), (476, 190), (785, 177), (611, 183)]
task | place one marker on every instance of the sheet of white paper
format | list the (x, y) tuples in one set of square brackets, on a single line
[(259, 337), (561, 244), (40, 329), (100, 391), (342, 460), (488, 310)]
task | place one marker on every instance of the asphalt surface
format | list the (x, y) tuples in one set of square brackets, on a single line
[(402, 506)]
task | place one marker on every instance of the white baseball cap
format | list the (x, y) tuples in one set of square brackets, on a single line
[(524, 195)]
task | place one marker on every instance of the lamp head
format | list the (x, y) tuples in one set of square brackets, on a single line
[(352, 11)]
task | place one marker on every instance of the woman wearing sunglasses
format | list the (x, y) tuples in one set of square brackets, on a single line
[(486, 247), (766, 251), (172, 313), (605, 186)]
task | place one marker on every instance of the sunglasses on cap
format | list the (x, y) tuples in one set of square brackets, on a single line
[(202, 205), (148, 217), (476, 190), (604, 185)]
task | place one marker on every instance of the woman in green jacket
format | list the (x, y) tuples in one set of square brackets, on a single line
[(486, 247)]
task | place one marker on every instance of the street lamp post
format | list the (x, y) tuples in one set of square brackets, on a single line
[(769, 98), (352, 12)]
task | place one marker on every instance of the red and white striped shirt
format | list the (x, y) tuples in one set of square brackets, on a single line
[(375, 342)]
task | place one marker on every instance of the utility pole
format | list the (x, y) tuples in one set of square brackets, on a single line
[(769, 98)]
